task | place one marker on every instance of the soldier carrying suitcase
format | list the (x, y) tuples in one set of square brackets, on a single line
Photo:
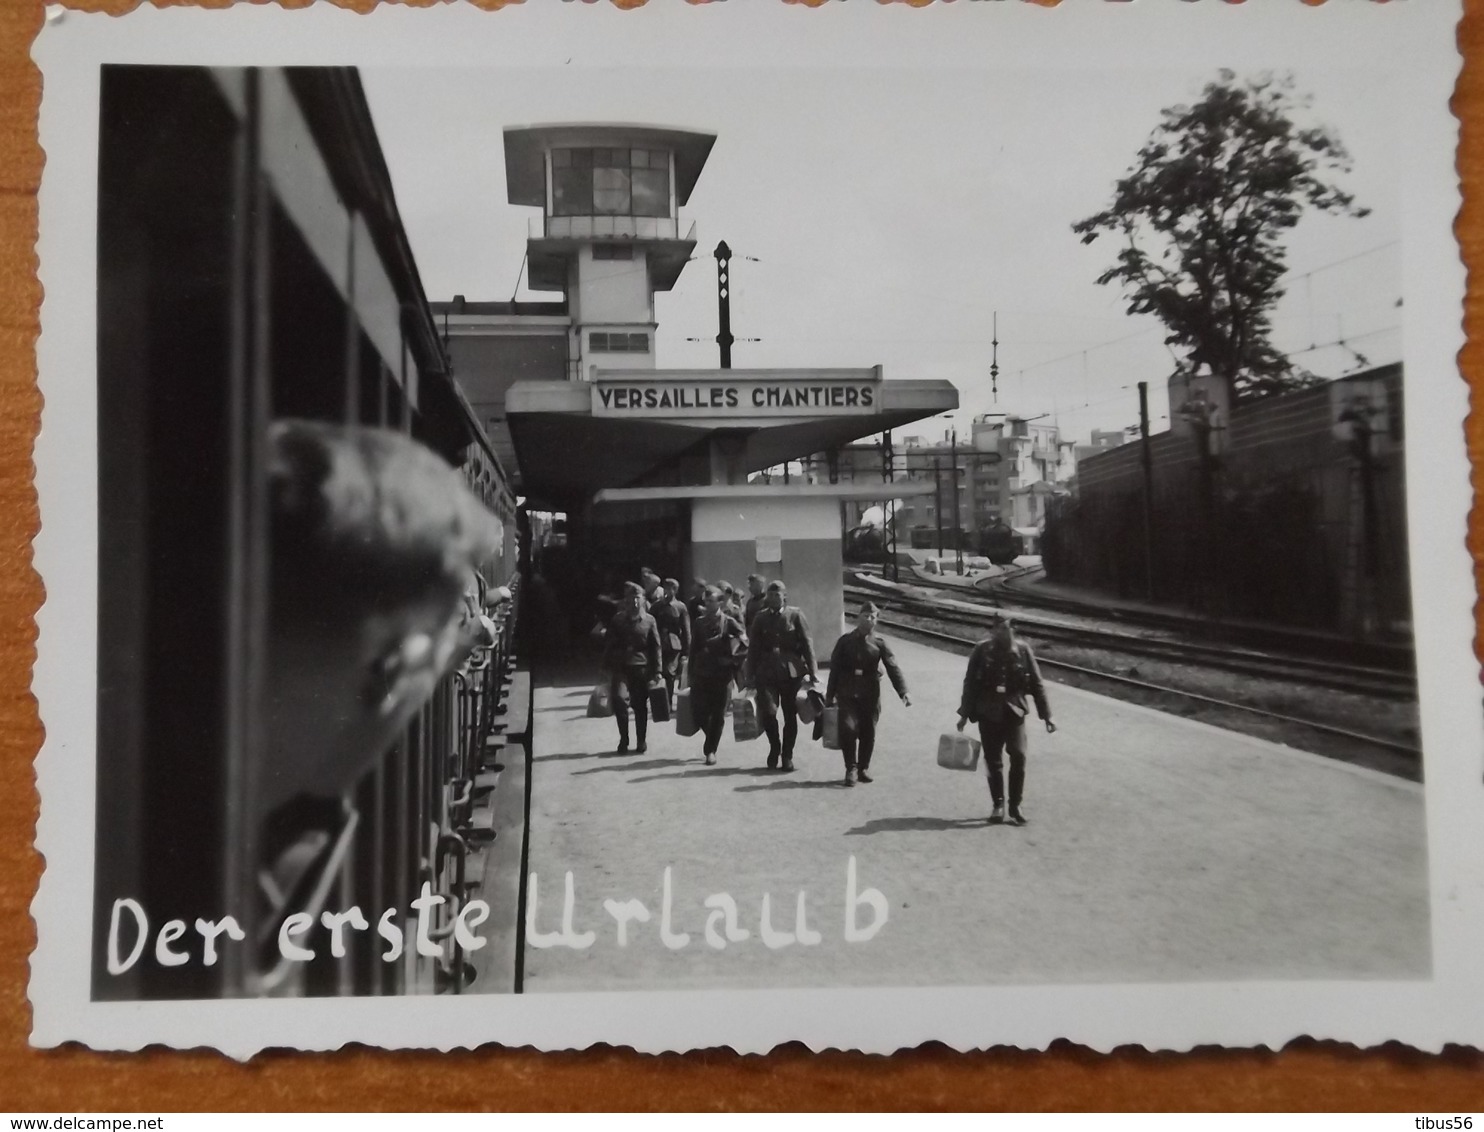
[(1002, 671), (756, 592), (632, 657), (718, 647), (780, 659), (673, 621), (855, 683)]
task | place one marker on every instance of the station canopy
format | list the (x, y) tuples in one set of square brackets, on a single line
[(661, 428)]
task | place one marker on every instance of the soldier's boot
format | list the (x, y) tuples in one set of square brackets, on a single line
[(775, 744), (997, 796), (640, 728), (623, 737), (1017, 789)]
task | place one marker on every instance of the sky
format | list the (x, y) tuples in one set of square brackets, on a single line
[(882, 215)]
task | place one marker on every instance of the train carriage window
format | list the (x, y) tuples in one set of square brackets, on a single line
[(307, 321), (373, 382)]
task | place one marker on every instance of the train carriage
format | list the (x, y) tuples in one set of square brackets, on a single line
[(252, 267)]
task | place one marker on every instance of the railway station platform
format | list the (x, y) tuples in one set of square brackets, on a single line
[(1158, 849)]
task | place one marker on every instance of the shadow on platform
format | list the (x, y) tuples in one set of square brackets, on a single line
[(711, 772), (916, 825)]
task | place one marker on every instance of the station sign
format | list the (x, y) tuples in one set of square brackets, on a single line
[(736, 394)]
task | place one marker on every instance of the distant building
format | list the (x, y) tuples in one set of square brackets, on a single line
[(1007, 468)]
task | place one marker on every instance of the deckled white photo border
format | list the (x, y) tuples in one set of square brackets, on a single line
[(1412, 39)]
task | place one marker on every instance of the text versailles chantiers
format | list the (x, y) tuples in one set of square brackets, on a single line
[(743, 397)]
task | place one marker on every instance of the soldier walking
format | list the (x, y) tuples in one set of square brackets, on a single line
[(780, 660), (649, 582), (718, 647), (632, 658), (756, 591), (697, 600), (855, 686), (673, 621), (1002, 672)]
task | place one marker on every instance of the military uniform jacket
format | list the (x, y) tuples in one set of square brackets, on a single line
[(990, 686), (718, 646), (673, 621), (855, 668), (633, 643), (750, 611), (779, 648)]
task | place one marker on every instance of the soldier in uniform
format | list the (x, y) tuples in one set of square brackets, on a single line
[(632, 658), (756, 589), (780, 660), (718, 647), (673, 621), (855, 684), (697, 600), (649, 582), (1002, 672), (731, 600)]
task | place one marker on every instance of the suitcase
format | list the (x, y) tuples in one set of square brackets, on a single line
[(686, 723), (809, 703), (957, 751), (744, 720), (831, 733), (600, 703), (659, 704)]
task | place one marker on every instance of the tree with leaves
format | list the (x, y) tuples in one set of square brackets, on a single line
[(1201, 217)]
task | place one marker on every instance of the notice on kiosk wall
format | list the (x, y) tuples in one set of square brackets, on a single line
[(830, 393), (769, 549)]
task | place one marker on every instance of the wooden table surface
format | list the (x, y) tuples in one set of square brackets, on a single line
[(1306, 1075)]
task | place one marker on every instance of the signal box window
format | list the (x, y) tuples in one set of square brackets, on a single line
[(610, 182), (604, 342)]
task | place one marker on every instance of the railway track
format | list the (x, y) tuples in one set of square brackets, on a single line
[(1361, 679), (1330, 730), (1399, 658)]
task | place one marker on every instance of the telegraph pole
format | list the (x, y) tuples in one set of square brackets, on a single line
[(1147, 459), (888, 545), (958, 527), (994, 360), (724, 337), (938, 500)]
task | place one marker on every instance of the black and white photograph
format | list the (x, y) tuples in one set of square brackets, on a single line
[(597, 527)]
